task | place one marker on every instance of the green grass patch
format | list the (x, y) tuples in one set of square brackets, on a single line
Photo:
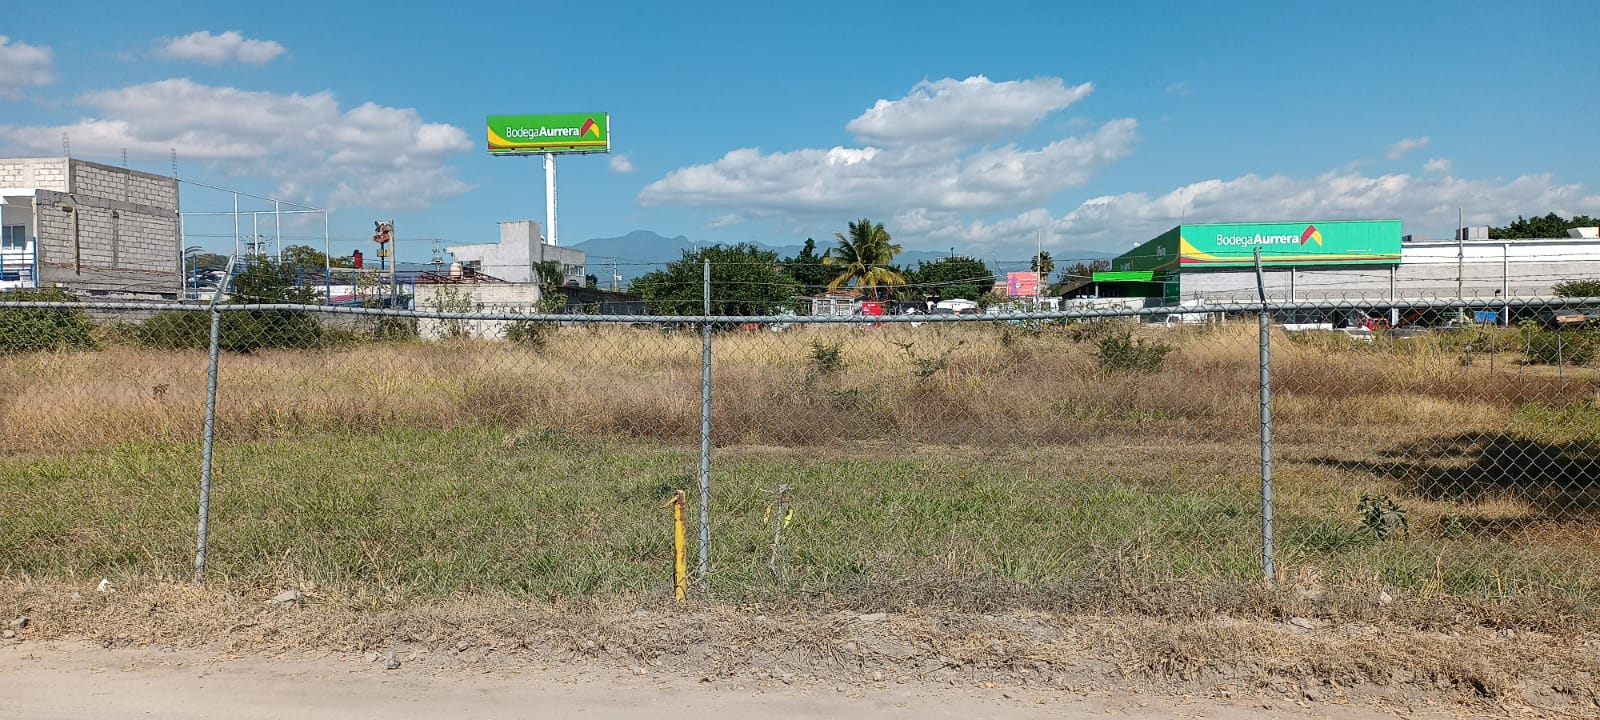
[(541, 514)]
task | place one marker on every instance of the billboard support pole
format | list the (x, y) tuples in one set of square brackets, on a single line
[(550, 197)]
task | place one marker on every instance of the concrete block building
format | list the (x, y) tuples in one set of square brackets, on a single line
[(96, 230), (520, 248)]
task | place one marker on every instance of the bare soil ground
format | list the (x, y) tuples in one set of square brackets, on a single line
[(173, 649), (83, 680)]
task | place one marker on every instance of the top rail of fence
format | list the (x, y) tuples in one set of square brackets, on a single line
[(854, 319)]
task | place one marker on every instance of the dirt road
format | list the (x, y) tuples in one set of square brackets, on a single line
[(40, 680)]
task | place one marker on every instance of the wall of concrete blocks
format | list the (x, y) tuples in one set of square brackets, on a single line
[(37, 173), (120, 238)]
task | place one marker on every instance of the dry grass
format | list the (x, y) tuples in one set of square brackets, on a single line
[(985, 385), (1074, 482)]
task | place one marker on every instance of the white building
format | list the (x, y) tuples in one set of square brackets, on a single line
[(521, 247), (91, 228)]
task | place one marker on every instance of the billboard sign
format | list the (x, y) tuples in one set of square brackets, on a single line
[(1349, 242), (537, 134), (1022, 284)]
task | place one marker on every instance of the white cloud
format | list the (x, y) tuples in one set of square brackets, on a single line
[(967, 112), (1400, 149), (1438, 165), (932, 158), (23, 65), (1179, 89), (230, 46), (725, 221), (370, 155), (620, 164), (887, 180), (1426, 204)]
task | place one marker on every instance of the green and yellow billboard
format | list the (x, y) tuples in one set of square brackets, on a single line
[(559, 133), (1331, 242)]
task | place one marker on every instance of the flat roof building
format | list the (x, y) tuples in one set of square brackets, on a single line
[(1339, 260), (90, 228)]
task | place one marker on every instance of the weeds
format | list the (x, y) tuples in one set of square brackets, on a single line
[(924, 367), (1120, 352), (827, 358), (1382, 516)]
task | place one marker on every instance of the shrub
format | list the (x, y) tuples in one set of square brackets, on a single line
[(36, 329), (536, 333), (240, 332), (270, 329), (173, 330), (1577, 288), (1560, 347), (827, 358), (1121, 352)]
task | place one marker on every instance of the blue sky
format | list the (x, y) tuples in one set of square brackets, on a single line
[(983, 128)]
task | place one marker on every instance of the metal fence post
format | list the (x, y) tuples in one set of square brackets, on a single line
[(705, 433), (209, 433), (1265, 322)]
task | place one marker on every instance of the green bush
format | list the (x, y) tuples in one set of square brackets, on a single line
[(174, 330), (270, 329), (827, 358), (1560, 347), (35, 329), (1121, 352), (240, 331), (536, 333)]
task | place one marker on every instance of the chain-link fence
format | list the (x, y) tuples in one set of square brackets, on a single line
[(1024, 459)]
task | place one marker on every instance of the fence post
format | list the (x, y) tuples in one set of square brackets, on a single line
[(209, 433), (1265, 321), (705, 433)]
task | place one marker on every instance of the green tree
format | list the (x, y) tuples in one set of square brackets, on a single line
[(1042, 264), (745, 280), (950, 278), (863, 257), (264, 280), (1079, 274), (307, 258), (807, 269), (550, 273), (1549, 226)]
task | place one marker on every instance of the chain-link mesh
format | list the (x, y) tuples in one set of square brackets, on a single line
[(1440, 449)]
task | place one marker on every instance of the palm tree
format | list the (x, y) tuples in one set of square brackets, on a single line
[(1042, 264), (863, 257)]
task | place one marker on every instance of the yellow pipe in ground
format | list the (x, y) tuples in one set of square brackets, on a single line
[(680, 565)]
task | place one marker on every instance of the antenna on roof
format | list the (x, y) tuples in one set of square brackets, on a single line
[(66, 145)]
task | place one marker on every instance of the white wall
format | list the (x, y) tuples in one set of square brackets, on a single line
[(484, 297)]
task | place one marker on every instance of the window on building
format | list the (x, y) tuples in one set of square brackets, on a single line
[(14, 237)]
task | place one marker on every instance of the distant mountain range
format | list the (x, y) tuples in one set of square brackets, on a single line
[(641, 251)]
